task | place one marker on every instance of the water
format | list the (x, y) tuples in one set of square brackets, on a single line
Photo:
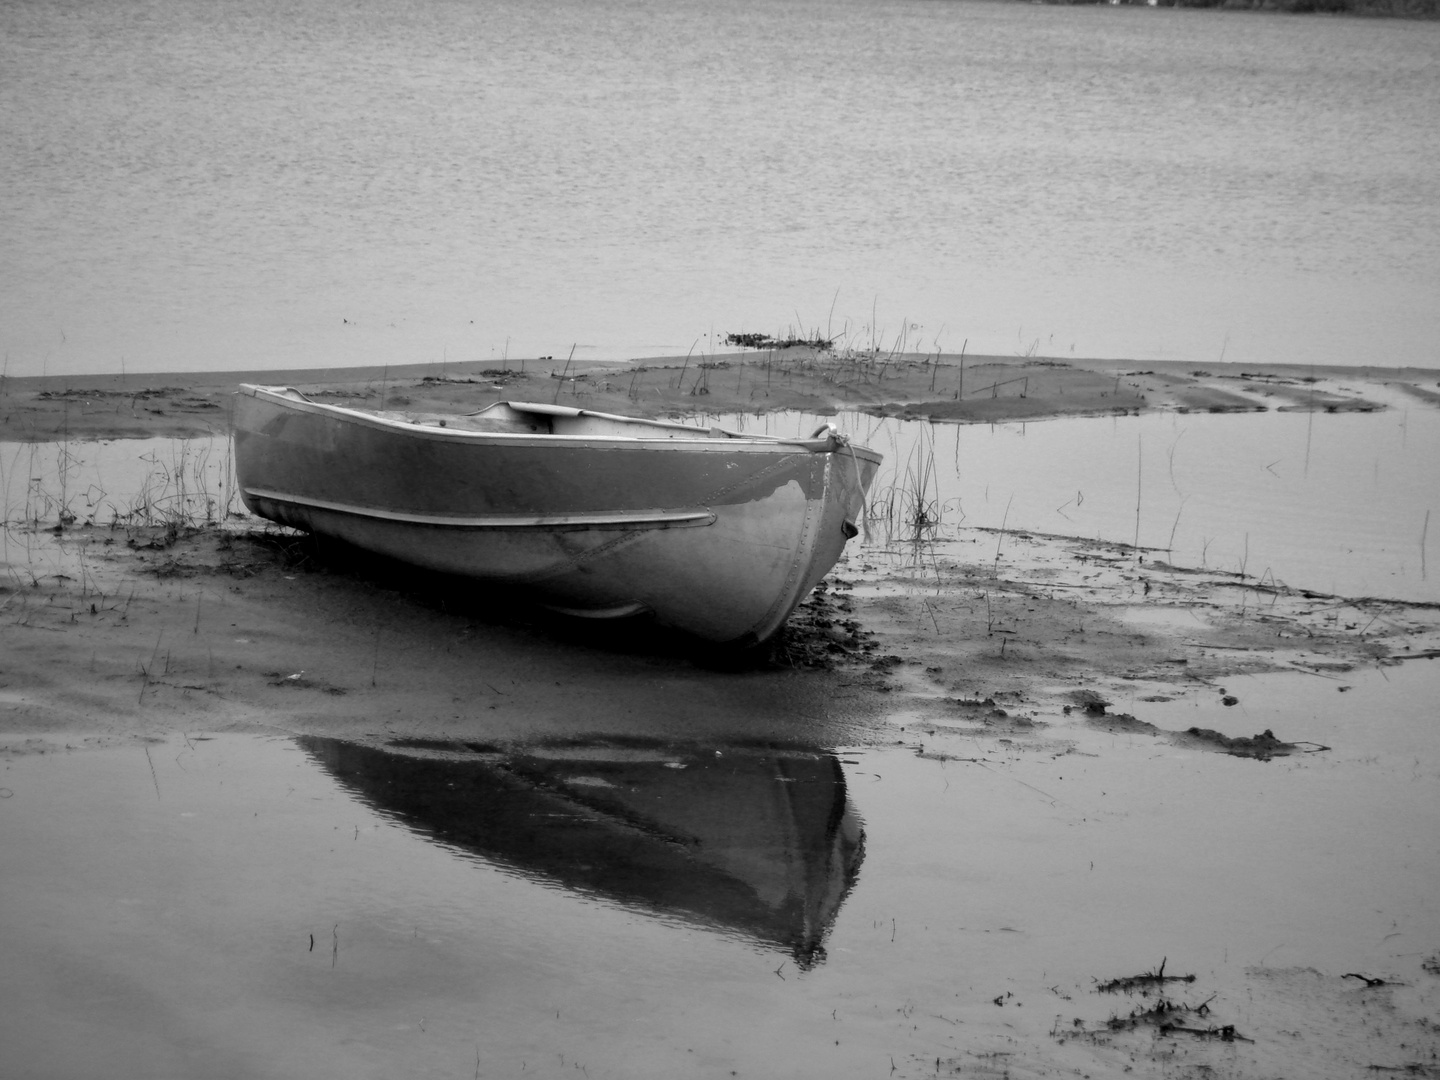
[(189, 186), (248, 906), (137, 481), (1338, 503)]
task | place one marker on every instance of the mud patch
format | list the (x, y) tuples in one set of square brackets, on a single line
[(1262, 747)]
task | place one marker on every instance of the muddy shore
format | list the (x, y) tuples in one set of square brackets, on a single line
[(150, 615)]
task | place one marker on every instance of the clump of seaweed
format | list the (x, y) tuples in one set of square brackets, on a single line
[(1164, 1015), (1169, 1018), (791, 340), (1142, 983)]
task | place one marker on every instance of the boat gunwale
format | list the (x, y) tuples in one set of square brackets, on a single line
[(655, 518), (833, 442)]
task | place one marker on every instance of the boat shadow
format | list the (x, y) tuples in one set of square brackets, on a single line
[(759, 841), (798, 644)]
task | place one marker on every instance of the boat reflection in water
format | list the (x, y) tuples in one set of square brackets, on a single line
[(758, 840)]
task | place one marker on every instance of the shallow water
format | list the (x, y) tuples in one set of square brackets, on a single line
[(243, 906), (1339, 503), (144, 481), (185, 186)]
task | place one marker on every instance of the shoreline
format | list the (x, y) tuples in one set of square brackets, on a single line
[(869, 590), (940, 388), (842, 635)]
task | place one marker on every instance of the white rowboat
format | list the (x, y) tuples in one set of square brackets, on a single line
[(717, 533)]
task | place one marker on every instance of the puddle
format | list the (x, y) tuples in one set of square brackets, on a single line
[(256, 906), (1366, 715), (242, 906), (1169, 618)]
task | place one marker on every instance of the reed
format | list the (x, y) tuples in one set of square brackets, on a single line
[(182, 491), (1170, 544), (1004, 523), (1139, 480), (1424, 532), (909, 508), (559, 385), (680, 379)]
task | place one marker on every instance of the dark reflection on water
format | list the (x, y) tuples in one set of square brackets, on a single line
[(759, 840)]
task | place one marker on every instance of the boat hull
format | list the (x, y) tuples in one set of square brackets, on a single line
[(717, 534)]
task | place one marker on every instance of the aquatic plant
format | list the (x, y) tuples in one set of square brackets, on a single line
[(909, 509), (187, 486)]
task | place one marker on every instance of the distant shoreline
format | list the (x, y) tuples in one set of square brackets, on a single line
[(1388, 9)]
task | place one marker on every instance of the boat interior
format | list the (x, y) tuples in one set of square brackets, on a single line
[(538, 419), (531, 418)]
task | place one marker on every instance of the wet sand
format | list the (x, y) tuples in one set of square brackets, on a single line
[(127, 634)]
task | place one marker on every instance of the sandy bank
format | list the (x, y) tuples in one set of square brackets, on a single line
[(974, 389)]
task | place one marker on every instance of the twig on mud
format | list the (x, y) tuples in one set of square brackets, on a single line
[(1368, 980), (153, 778), (146, 669), (1001, 538)]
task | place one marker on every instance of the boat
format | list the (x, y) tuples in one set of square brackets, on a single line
[(717, 533), (756, 841)]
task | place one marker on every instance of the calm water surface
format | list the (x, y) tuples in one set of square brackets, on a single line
[(186, 185), (234, 906), (1343, 503)]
